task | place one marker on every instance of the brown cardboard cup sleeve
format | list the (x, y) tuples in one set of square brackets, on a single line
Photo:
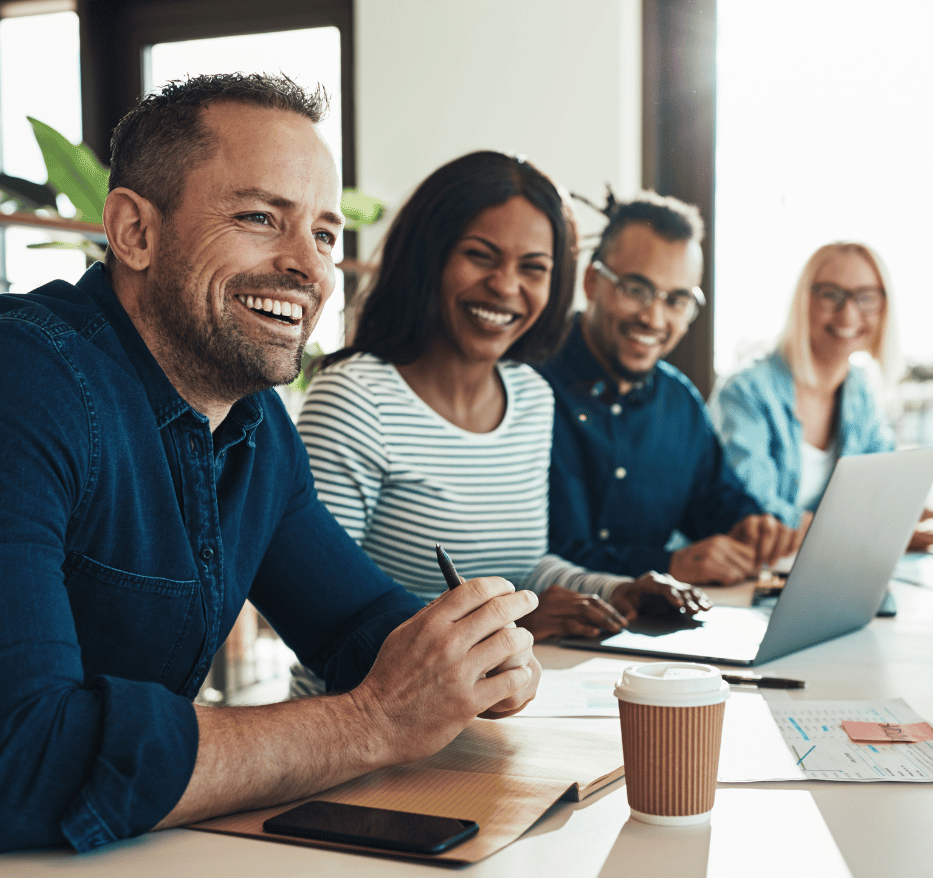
[(671, 715)]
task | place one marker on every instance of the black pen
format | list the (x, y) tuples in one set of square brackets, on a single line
[(451, 577), (763, 682)]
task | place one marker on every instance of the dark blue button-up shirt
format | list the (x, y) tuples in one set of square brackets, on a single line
[(130, 537), (627, 471)]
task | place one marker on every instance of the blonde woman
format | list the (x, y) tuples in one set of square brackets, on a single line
[(786, 419)]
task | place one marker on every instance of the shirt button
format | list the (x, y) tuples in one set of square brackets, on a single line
[(207, 553), (603, 534), (621, 472), (615, 408), (581, 417)]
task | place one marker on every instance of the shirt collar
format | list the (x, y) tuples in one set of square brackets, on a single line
[(588, 375), (167, 404), (241, 422)]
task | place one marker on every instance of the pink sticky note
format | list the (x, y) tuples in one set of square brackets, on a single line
[(888, 733)]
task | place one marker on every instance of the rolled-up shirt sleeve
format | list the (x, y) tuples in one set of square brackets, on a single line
[(552, 570), (85, 762)]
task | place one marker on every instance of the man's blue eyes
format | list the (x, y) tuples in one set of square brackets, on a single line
[(263, 219)]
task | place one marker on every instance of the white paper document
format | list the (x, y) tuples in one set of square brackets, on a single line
[(752, 747), (744, 841), (814, 733), (586, 690)]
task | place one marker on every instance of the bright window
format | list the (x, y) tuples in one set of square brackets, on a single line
[(823, 133), (51, 93)]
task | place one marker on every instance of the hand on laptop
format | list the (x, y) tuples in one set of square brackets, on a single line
[(658, 593), (730, 558), (563, 613)]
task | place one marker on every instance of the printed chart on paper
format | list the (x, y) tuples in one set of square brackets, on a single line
[(813, 732)]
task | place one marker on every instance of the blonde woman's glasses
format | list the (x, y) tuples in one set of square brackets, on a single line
[(830, 297)]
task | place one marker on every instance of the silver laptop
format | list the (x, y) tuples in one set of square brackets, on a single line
[(836, 585)]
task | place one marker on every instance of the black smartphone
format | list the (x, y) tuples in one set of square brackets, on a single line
[(372, 827)]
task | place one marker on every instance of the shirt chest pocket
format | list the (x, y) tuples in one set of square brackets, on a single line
[(132, 626)]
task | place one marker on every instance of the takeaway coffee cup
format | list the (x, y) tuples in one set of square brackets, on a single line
[(671, 715)]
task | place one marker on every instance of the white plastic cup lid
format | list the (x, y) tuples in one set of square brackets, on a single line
[(672, 684)]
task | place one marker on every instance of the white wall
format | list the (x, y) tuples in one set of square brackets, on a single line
[(558, 82)]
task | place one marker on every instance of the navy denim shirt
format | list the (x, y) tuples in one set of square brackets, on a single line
[(130, 537), (628, 471)]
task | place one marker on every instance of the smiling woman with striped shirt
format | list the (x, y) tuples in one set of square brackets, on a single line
[(431, 428)]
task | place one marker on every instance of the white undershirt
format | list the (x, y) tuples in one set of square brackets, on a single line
[(816, 466)]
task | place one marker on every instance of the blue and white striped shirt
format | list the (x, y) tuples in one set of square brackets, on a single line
[(401, 478)]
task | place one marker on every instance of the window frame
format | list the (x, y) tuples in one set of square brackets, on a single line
[(115, 33), (678, 142)]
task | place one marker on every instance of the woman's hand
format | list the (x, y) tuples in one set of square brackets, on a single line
[(562, 612), (656, 594)]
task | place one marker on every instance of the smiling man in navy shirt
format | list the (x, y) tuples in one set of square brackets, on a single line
[(153, 482), (635, 458)]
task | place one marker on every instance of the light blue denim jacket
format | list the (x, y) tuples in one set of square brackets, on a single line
[(753, 412)]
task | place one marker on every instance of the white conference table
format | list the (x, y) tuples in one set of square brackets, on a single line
[(809, 828)]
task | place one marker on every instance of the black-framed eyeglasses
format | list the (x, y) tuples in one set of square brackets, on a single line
[(869, 300), (679, 304)]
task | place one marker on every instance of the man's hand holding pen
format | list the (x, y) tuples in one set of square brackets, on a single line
[(456, 659), (453, 580)]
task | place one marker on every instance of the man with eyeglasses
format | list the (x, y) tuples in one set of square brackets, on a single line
[(636, 467)]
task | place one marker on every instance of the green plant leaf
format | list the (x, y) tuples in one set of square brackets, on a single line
[(360, 209), (73, 170)]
